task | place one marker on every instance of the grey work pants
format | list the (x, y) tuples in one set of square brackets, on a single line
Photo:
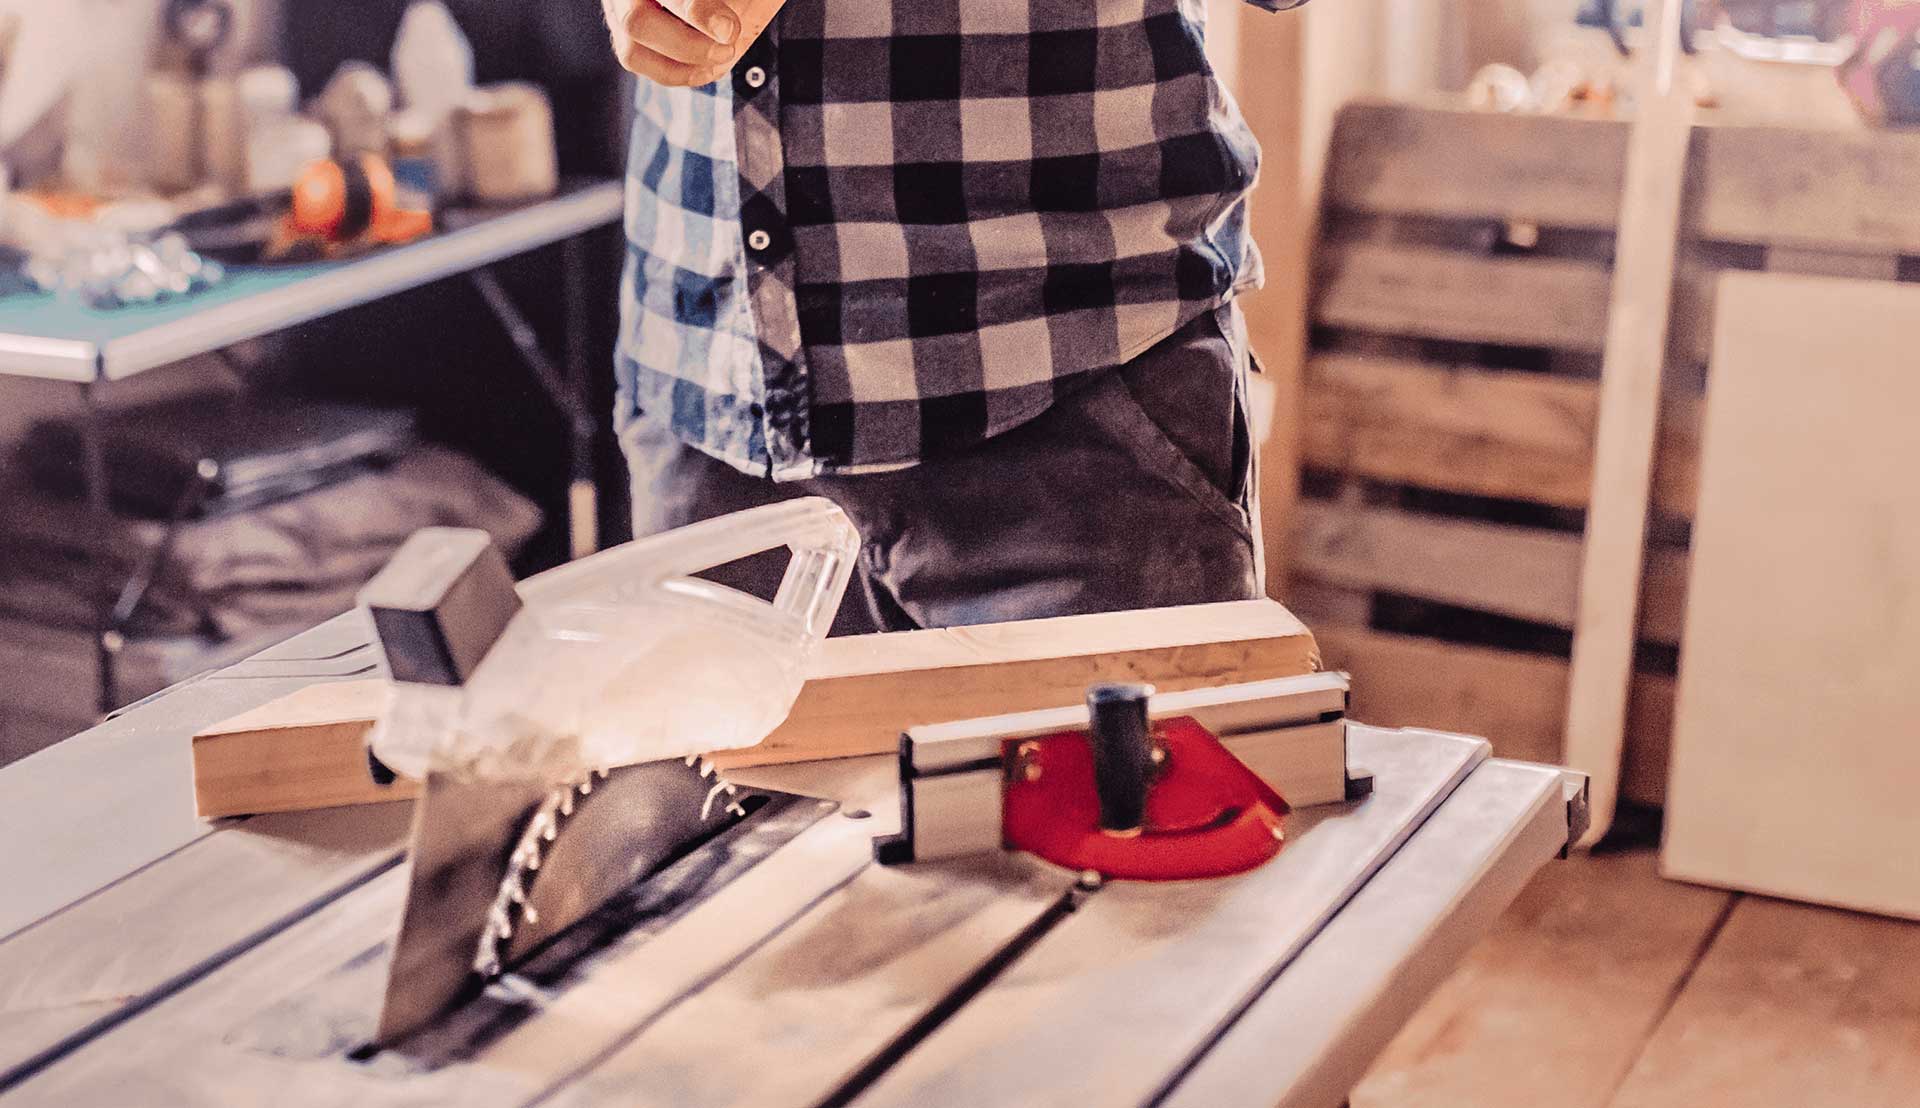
[(1134, 490)]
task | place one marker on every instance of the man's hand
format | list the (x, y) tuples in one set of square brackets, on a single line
[(693, 47)]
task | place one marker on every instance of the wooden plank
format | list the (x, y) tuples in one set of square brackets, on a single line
[(1819, 188), (862, 692), (1555, 1004), (1515, 700), (1133, 985), (801, 1015), (1266, 81), (1448, 294), (1398, 939), (1520, 436), (1801, 1005), (1796, 686), (865, 690), (279, 1022), (1525, 572), (83, 966), (1638, 312)]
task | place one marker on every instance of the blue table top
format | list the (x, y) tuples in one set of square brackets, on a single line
[(57, 337), (48, 316)]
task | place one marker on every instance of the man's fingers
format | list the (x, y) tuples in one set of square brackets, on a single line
[(662, 32), (714, 18), (657, 67)]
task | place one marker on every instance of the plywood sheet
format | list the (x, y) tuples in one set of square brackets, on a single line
[(1798, 710)]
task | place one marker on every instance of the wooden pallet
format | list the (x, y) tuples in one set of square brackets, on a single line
[(1458, 320)]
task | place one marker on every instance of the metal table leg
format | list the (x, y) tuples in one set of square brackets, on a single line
[(107, 640), (584, 492), (567, 395)]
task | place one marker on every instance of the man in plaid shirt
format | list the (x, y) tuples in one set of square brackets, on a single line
[(967, 268)]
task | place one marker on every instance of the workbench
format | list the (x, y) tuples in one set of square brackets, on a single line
[(55, 339), (150, 958)]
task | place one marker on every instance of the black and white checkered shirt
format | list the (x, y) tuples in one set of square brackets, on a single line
[(901, 224)]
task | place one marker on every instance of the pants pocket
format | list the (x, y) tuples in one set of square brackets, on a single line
[(1179, 408)]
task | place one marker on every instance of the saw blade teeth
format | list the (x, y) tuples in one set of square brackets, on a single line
[(512, 905), (713, 794)]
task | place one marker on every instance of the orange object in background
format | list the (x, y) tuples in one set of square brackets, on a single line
[(354, 201)]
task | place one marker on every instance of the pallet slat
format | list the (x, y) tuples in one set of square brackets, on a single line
[(1437, 293), (1841, 190), (1520, 436), (1518, 701), (1523, 572), (1552, 169)]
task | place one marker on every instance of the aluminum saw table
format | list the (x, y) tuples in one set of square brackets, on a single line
[(150, 958)]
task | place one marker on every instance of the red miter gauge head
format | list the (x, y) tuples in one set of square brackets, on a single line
[(1168, 803)]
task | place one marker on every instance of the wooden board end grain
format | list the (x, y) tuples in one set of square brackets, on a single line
[(307, 749)]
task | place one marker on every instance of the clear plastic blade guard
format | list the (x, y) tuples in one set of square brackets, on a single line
[(626, 657)]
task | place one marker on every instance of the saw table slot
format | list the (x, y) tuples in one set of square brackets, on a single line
[(1127, 988), (804, 1014), (78, 973), (1388, 950), (290, 1011), (131, 778)]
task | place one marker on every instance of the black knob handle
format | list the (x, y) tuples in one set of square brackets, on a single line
[(1122, 754)]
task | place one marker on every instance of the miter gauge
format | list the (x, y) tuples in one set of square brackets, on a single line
[(1133, 785)]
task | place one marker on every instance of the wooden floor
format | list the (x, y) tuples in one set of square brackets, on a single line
[(1607, 987)]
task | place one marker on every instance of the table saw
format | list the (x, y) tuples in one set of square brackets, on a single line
[(151, 958), (1221, 893)]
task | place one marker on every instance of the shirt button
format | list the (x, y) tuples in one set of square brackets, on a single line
[(755, 77), (759, 240)]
